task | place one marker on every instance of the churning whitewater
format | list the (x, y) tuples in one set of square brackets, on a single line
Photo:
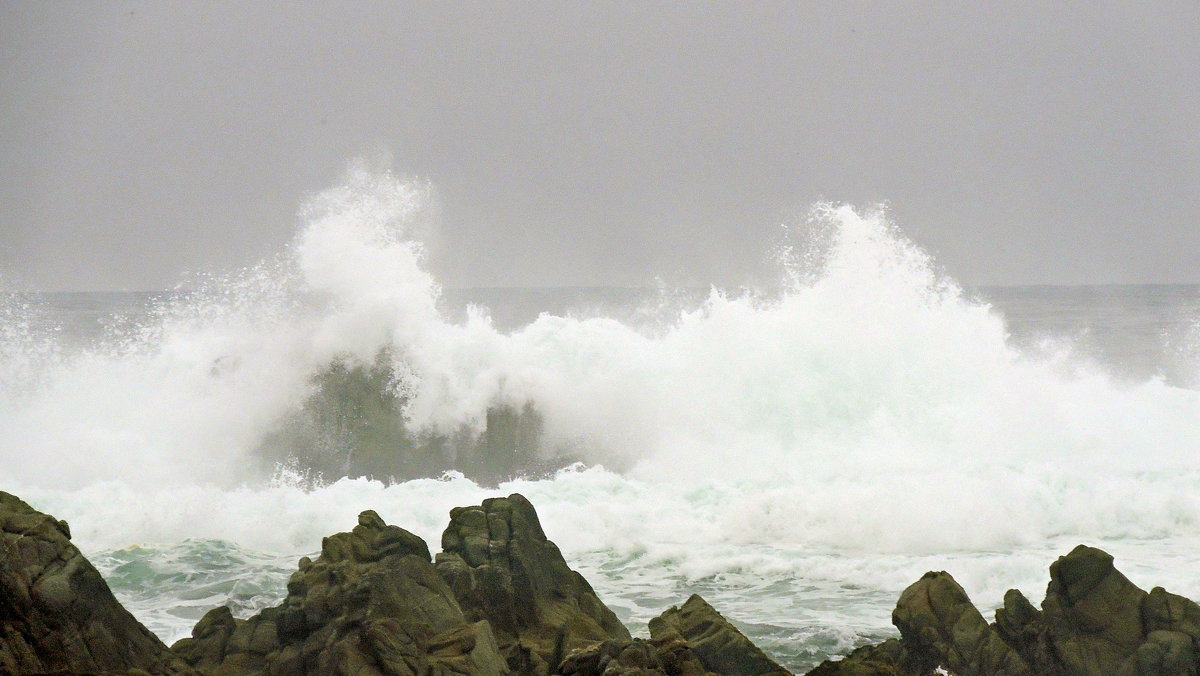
[(798, 456)]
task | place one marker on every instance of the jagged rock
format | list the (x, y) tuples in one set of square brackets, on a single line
[(1093, 613), (869, 660), (502, 569), (1093, 622), (372, 603), (716, 643), (940, 627), (1023, 627), (633, 658), (57, 615)]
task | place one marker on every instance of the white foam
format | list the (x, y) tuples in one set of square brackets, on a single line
[(866, 423)]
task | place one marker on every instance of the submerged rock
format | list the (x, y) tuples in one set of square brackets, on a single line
[(503, 569), (353, 424), (371, 603), (57, 615)]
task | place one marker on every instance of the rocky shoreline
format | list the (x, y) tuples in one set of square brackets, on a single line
[(500, 599)]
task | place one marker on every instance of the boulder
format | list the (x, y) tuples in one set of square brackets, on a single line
[(1093, 622), (716, 643), (1093, 613), (57, 615), (503, 569), (939, 627), (370, 604)]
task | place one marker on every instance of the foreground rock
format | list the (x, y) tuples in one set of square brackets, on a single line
[(372, 603), (1093, 621), (501, 600), (691, 640), (716, 643), (57, 615), (503, 569), (635, 657)]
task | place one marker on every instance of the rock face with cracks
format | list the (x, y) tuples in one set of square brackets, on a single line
[(371, 604), (57, 615), (503, 569)]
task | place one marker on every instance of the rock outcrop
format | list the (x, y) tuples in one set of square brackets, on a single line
[(503, 569), (716, 643), (1092, 613), (939, 627), (57, 615), (636, 657), (355, 408), (1093, 622), (501, 600), (690, 640), (371, 604)]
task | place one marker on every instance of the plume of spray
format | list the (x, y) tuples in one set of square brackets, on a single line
[(797, 417)]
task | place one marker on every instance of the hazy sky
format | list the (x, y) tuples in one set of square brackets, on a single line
[(603, 143)]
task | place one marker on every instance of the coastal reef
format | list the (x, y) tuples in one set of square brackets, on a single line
[(501, 599)]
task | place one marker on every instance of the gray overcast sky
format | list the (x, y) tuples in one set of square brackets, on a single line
[(603, 143)]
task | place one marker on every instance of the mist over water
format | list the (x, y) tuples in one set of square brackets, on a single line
[(798, 455)]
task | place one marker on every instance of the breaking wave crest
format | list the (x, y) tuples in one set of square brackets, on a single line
[(867, 405)]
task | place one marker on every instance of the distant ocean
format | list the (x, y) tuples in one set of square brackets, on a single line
[(797, 456)]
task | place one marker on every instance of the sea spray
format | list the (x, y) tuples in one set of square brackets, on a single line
[(797, 456)]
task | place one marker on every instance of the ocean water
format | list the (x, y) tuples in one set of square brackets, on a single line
[(796, 454)]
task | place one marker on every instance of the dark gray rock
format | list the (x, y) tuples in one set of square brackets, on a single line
[(716, 643), (633, 658), (939, 627), (1093, 622), (1023, 627), (869, 660), (503, 569), (57, 615), (1093, 613), (372, 603)]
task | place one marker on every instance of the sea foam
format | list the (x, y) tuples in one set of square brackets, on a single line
[(801, 455)]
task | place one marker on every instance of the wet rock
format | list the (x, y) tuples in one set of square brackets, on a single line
[(1023, 627), (57, 615), (633, 658), (1093, 622), (1165, 611), (355, 408), (939, 627), (869, 660), (716, 643), (503, 569), (371, 603), (1093, 613)]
